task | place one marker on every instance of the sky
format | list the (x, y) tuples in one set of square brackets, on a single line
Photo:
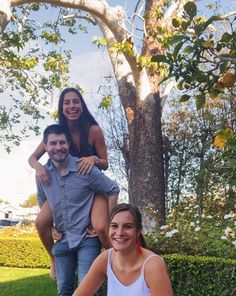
[(88, 67)]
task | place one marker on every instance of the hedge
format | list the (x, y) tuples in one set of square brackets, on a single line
[(201, 276), (190, 275), (23, 252)]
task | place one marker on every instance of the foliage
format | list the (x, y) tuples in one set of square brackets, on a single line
[(27, 231), (23, 252), (189, 275), (198, 58), (33, 65), (30, 202), (200, 55), (197, 276), (192, 230), (194, 165)]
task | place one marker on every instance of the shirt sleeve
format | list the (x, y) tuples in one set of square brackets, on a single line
[(41, 197), (99, 182)]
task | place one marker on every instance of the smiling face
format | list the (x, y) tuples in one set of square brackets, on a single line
[(72, 106), (57, 147), (123, 231)]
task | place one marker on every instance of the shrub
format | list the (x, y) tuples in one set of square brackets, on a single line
[(190, 275), (23, 252), (194, 231), (198, 276)]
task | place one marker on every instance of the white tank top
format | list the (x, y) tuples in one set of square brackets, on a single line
[(116, 288)]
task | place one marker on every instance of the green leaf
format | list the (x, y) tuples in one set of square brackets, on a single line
[(189, 49), (106, 102), (200, 101), (177, 38), (200, 76), (226, 37), (184, 98), (177, 49), (191, 9), (159, 59), (200, 28), (224, 67)]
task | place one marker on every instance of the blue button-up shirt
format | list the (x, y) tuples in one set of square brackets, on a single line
[(71, 197)]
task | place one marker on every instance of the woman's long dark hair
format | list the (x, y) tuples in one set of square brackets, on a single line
[(135, 213), (85, 121)]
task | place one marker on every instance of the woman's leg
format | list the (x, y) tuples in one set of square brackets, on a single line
[(43, 224), (99, 218)]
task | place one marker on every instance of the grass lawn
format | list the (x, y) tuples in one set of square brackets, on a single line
[(26, 282)]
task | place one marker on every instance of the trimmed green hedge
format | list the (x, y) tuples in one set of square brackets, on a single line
[(190, 275), (23, 252), (201, 276)]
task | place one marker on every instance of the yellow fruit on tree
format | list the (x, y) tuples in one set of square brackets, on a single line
[(220, 141), (228, 79)]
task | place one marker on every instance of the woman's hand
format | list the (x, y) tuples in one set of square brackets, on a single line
[(56, 235), (86, 164), (42, 174)]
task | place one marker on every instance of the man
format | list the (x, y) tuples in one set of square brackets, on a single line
[(70, 196)]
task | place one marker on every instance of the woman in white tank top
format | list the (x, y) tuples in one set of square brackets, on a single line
[(130, 268)]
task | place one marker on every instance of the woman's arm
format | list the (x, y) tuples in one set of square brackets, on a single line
[(94, 278), (157, 278), (96, 138), (41, 172)]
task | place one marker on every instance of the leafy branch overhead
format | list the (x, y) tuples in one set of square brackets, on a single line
[(33, 65), (200, 57)]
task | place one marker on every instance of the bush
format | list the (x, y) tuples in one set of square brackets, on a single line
[(190, 275), (195, 231), (198, 276), (23, 252)]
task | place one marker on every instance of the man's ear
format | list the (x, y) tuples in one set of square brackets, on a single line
[(45, 146)]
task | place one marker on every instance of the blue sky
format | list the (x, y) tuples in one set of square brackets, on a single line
[(88, 66)]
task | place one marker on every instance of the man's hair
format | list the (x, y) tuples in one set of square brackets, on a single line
[(55, 129)]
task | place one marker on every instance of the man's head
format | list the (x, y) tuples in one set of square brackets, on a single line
[(56, 142)]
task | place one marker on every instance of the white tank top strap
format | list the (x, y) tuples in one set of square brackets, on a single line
[(109, 256), (149, 257)]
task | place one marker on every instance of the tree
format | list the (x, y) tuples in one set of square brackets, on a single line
[(137, 80), (194, 166), (30, 202), (138, 73), (201, 57)]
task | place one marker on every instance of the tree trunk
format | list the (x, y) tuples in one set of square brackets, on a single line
[(146, 183), (5, 14)]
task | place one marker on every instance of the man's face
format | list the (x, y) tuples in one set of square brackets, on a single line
[(57, 147)]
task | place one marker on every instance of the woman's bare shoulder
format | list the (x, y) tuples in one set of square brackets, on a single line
[(152, 259), (96, 135), (95, 129)]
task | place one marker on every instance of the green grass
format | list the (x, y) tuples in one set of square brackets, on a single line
[(26, 281)]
